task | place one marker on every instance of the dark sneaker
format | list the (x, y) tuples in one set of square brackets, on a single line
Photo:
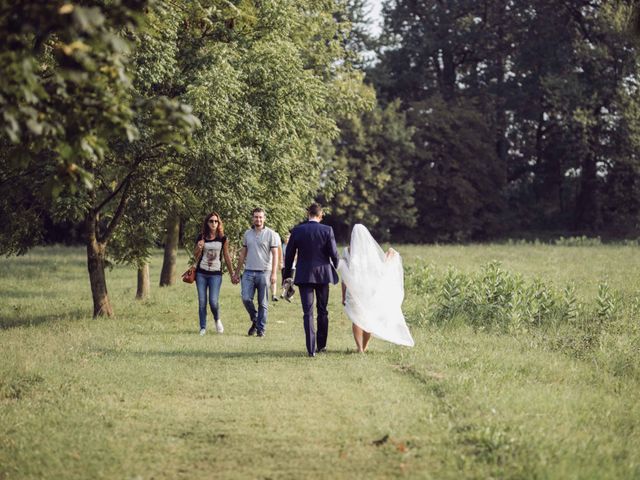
[(252, 331), (261, 333), (274, 299)]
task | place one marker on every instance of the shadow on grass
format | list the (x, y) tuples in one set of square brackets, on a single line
[(20, 294), (215, 354), (186, 331), (7, 323)]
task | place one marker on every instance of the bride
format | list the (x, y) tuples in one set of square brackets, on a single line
[(373, 290)]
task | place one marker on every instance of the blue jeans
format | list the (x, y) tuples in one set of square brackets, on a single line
[(253, 280), (212, 282)]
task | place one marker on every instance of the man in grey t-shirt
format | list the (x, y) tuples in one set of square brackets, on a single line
[(260, 250)]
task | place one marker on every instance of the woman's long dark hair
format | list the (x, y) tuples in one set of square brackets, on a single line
[(206, 229)]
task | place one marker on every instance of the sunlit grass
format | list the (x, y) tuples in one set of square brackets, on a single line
[(583, 266), (143, 396)]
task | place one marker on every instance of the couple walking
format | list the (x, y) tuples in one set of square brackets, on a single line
[(259, 257), (372, 283)]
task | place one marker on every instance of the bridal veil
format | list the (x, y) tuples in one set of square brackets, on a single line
[(375, 288)]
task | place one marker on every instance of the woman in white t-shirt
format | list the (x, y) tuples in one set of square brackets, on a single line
[(211, 245)]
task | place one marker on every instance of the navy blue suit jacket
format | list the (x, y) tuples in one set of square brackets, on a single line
[(317, 254)]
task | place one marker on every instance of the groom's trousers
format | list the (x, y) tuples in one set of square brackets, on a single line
[(321, 293)]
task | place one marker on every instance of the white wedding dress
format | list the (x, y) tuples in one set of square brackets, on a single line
[(375, 288)]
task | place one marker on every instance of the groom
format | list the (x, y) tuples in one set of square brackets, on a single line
[(315, 269)]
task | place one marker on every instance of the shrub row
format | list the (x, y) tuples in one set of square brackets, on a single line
[(494, 298)]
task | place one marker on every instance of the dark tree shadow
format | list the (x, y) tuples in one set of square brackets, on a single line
[(19, 294), (7, 323), (213, 354)]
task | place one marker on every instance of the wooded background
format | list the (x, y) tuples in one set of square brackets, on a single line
[(123, 123), (500, 118)]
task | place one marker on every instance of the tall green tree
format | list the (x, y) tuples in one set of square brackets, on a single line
[(279, 78), (375, 150), (548, 86), (69, 109), (266, 80)]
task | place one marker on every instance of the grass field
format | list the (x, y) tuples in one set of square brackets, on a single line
[(549, 394)]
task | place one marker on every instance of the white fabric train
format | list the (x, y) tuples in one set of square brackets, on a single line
[(375, 288)]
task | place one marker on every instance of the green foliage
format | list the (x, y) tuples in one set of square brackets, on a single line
[(98, 119), (533, 310), (605, 303), (77, 134), (268, 82), (624, 16), (522, 104), (495, 299), (458, 175), (65, 84), (375, 150)]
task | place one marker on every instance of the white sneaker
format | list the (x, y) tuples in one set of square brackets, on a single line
[(202, 331), (219, 326)]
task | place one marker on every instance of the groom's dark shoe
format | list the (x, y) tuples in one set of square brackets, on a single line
[(322, 350), (252, 331)]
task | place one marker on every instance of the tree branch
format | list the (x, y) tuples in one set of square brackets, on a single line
[(578, 18), (113, 194), (126, 179), (119, 211), (11, 176)]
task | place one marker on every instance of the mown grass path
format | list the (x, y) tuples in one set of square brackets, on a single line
[(143, 396)]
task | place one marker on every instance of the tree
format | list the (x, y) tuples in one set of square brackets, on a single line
[(267, 84), (548, 83), (375, 150), (265, 80), (457, 175), (69, 109)]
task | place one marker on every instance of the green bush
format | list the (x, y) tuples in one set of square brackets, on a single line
[(493, 299), (603, 329)]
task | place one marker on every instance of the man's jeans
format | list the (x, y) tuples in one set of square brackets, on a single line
[(252, 280), (212, 282)]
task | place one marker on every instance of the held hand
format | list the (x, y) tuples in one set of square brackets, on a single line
[(274, 277), (200, 244)]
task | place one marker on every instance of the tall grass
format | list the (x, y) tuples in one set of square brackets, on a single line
[(604, 328)]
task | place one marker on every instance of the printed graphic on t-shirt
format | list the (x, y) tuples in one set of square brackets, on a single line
[(211, 255)]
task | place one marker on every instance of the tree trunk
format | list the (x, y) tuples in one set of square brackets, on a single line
[(587, 206), (95, 264), (502, 145), (144, 284), (168, 273), (588, 215), (448, 74), (97, 246)]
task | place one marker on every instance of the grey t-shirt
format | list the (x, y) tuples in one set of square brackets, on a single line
[(259, 245)]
